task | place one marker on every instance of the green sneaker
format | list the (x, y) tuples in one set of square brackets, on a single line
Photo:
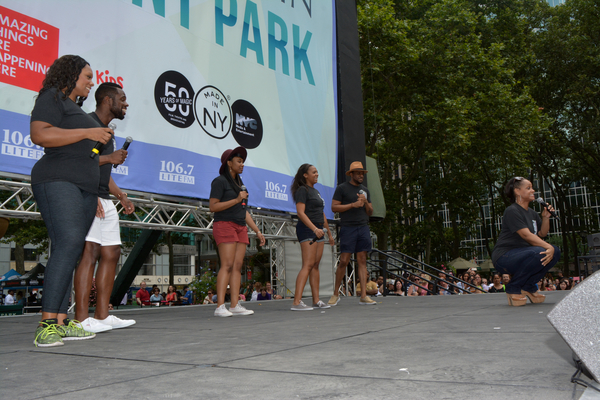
[(72, 330), (47, 335)]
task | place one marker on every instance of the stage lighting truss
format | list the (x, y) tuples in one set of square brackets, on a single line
[(166, 213)]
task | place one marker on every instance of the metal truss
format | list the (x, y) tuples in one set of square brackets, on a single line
[(165, 213), (152, 212)]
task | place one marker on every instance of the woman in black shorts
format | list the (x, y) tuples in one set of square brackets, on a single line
[(65, 185), (311, 220), (227, 192)]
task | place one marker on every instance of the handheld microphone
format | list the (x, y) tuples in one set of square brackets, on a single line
[(98, 145), (545, 205), (244, 201), (128, 141), (362, 192)]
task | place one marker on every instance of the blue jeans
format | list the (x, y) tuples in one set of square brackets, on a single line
[(525, 266), (68, 213)]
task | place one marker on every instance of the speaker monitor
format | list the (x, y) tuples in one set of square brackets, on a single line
[(577, 320)]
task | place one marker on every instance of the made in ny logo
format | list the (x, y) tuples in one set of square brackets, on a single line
[(180, 105)]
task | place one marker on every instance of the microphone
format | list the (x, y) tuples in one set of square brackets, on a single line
[(545, 205), (244, 201), (128, 141), (98, 145)]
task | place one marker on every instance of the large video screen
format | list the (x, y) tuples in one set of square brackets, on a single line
[(200, 77)]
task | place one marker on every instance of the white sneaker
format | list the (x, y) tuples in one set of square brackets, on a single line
[(222, 311), (117, 323), (240, 310), (93, 325)]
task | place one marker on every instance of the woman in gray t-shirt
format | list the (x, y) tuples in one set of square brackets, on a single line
[(520, 249), (65, 186), (309, 229)]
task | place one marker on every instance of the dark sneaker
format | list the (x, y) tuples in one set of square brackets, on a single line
[(47, 335), (72, 330)]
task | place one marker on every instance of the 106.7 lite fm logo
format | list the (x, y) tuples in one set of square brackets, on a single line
[(181, 106)]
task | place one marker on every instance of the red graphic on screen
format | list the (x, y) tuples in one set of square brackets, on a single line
[(27, 49)]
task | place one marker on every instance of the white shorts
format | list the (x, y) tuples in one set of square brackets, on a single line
[(105, 231)]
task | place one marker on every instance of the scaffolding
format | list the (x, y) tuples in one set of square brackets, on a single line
[(165, 213)]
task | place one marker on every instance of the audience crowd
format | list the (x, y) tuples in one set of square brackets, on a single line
[(413, 285)]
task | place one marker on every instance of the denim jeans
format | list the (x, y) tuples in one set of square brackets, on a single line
[(525, 266), (68, 213)]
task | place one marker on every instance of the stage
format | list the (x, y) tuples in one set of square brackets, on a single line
[(442, 347)]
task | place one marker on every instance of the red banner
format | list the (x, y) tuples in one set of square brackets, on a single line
[(27, 48)]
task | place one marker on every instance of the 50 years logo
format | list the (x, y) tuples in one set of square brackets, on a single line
[(180, 106)]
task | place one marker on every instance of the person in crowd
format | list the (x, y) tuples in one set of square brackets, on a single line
[(413, 290), (496, 286), (65, 186), (398, 288), (248, 291), (142, 297), (263, 295), (32, 299), (9, 300), (484, 284), (464, 288), (310, 231), (103, 241), (256, 292), (209, 298), (352, 200), (270, 291), (505, 279), (188, 297), (371, 288), (443, 288), (564, 285), (380, 285), (156, 298), (520, 249), (228, 201), (20, 300), (425, 283), (172, 297), (478, 289)]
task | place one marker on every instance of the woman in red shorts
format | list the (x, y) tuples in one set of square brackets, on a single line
[(227, 192)]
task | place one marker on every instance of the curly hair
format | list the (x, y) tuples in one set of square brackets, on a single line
[(63, 74), (299, 180)]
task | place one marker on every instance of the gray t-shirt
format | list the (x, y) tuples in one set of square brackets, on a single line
[(70, 163), (221, 189), (515, 218), (347, 193), (105, 169), (313, 203)]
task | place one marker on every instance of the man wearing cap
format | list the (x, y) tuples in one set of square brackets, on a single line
[(353, 202)]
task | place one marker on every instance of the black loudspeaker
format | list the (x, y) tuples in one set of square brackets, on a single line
[(577, 320)]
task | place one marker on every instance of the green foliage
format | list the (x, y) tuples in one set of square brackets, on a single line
[(461, 95), (201, 284)]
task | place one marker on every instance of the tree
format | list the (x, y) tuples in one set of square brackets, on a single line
[(446, 117)]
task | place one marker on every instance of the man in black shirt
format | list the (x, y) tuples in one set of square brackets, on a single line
[(103, 239), (353, 202)]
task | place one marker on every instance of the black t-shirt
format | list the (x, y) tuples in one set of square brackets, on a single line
[(105, 169), (313, 203), (71, 163), (515, 218), (221, 189), (492, 289), (347, 193)]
